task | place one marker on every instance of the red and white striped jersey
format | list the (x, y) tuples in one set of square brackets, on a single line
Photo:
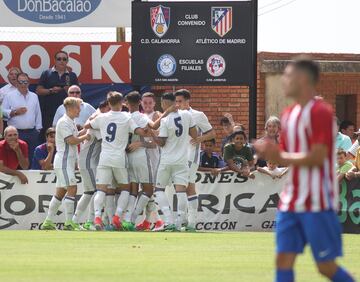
[(309, 189)]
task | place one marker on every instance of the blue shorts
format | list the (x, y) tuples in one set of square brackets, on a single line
[(322, 230)]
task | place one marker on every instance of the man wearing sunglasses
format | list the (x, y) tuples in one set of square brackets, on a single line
[(86, 109), (53, 87), (22, 109)]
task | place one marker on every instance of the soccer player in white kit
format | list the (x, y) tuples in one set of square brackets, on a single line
[(205, 132), (148, 104), (173, 140), (140, 167), (114, 128), (88, 161), (66, 140)]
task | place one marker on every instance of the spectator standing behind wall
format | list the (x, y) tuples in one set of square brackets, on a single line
[(86, 110), (272, 132), (347, 127), (210, 161), (342, 141), (13, 154), (12, 85), (237, 155), (52, 88), (23, 111), (44, 154)]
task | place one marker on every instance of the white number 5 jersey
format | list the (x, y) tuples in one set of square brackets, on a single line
[(175, 127)]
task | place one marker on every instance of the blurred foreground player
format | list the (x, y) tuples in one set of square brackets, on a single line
[(307, 209)]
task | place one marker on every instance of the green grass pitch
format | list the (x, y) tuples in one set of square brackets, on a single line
[(119, 256)]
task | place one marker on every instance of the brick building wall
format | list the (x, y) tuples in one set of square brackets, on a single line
[(340, 77)]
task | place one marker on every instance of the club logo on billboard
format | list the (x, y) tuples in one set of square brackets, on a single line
[(221, 20), (160, 20), (215, 65), (166, 65)]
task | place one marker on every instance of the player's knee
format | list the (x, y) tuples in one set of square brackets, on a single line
[(327, 269), (285, 261)]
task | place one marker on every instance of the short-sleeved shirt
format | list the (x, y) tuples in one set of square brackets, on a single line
[(343, 142), (345, 167), (114, 129), (40, 153), (203, 126), (65, 152), (215, 161), (141, 121), (240, 157), (49, 103), (175, 127), (8, 155)]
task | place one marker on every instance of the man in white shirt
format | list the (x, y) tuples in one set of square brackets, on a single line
[(114, 127), (11, 86), (86, 109), (66, 140), (22, 109), (173, 168), (205, 132)]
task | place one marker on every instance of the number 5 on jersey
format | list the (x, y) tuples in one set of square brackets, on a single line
[(180, 129)]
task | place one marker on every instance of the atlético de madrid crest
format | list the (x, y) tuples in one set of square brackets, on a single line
[(221, 20), (160, 19)]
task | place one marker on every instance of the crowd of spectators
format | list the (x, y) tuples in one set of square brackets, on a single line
[(30, 120)]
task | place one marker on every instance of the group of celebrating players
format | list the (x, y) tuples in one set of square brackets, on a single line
[(124, 152)]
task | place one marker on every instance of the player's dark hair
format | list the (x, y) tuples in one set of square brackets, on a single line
[(345, 124), (133, 98), (61, 52), (224, 121), (341, 152), (240, 132), (211, 140), (168, 96), (183, 92), (310, 67), (148, 94), (114, 98), (103, 104)]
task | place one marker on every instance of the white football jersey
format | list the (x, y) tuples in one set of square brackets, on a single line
[(90, 150), (175, 127), (203, 126), (65, 152), (114, 129)]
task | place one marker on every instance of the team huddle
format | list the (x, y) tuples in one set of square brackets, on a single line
[(125, 159)]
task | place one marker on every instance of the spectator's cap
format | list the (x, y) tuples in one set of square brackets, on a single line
[(50, 130), (357, 132)]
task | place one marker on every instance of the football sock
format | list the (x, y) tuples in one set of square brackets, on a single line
[(99, 200), (81, 206), (141, 204), (151, 209), (110, 206), (284, 275), (130, 207), (181, 208), (341, 275), (69, 203), (122, 202), (163, 203), (192, 212), (91, 214), (53, 208)]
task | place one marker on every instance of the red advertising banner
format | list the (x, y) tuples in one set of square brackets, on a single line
[(93, 62)]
